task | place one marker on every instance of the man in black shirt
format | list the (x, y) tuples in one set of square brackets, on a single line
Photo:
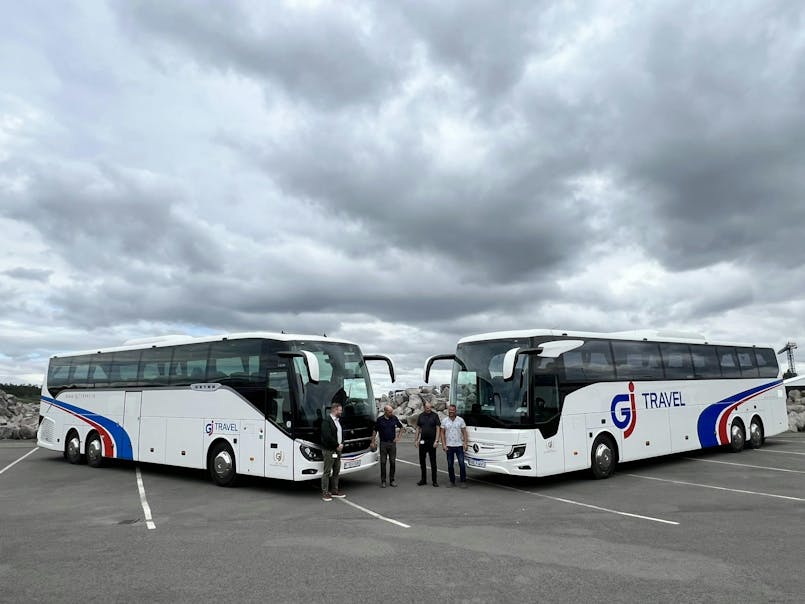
[(386, 426), (427, 436)]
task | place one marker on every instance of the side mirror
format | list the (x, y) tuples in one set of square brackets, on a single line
[(549, 350), (310, 360), (441, 357), (384, 358)]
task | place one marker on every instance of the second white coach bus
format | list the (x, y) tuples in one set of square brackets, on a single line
[(238, 404), (544, 402)]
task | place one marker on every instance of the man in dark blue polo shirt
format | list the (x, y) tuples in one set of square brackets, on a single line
[(387, 426)]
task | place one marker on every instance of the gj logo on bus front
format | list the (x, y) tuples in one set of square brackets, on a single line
[(624, 411)]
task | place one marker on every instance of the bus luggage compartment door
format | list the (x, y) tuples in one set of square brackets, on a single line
[(279, 453)]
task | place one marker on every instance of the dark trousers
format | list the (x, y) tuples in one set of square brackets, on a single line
[(462, 468), (388, 450), (332, 466), (429, 450)]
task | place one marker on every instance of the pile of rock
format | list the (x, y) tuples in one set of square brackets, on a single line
[(796, 410), (408, 403), (17, 419)]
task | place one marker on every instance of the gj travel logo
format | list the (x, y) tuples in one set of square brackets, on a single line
[(209, 428), (624, 411)]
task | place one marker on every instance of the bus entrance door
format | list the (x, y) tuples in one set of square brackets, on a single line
[(131, 420)]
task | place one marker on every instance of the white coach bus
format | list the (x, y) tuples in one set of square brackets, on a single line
[(238, 404), (542, 402)]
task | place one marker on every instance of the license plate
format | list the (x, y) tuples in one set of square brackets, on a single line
[(352, 464), (478, 463)]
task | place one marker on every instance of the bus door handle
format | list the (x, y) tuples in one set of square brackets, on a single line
[(273, 445)]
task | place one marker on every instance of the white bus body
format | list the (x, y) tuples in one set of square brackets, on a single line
[(237, 404), (543, 402)]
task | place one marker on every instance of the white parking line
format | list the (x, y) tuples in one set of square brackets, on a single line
[(745, 465), (14, 463), (375, 514), (149, 522), (781, 452), (560, 499), (711, 486)]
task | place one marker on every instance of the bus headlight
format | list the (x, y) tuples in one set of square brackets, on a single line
[(517, 451), (311, 453)]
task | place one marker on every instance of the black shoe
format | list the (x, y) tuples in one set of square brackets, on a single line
[(383, 484), (421, 483), (393, 483), (451, 484), (436, 484)]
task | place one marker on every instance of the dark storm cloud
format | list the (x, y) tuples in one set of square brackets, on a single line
[(327, 57), (712, 134), (29, 274), (102, 218)]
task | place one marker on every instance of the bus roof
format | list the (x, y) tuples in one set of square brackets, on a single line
[(175, 340), (641, 334)]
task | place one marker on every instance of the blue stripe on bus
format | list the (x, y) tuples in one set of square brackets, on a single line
[(707, 428), (116, 431)]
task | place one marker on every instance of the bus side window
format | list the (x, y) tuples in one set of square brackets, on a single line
[(766, 362), (747, 363)]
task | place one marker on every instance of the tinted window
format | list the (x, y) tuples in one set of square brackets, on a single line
[(589, 363), (79, 372), (728, 362), (189, 364), (278, 401), (235, 361), (766, 362), (123, 368), (58, 372), (154, 365), (705, 361), (746, 361), (637, 360), (677, 361), (99, 369)]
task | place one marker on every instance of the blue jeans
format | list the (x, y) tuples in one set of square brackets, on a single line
[(462, 469)]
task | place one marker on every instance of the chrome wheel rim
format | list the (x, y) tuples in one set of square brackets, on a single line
[(737, 435), (755, 434), (73, 447), (222, 464), (94, 449), (603, 457)]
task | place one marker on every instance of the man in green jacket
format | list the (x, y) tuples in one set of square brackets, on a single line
[(332, 443)]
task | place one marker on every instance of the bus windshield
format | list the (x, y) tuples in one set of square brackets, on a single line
[(343, 378), (484, 398)]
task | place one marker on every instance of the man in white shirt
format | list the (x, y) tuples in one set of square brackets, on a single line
[(454, 443)]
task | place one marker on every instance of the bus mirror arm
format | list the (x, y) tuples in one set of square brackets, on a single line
[(385, 359), (441, 357), (510, 360), (550, 350), (310, 360)]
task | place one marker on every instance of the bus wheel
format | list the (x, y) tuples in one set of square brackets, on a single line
[(603, 457), (94, 451), (737, 436), (755, 433), (72, 448), (222, 465)]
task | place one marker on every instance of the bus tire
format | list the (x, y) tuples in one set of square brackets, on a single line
[(222, 464), (72, 448), (756, 434), (94, 450), (603, 456), (737, 436)]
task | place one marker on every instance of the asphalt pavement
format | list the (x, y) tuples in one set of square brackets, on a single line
[(709, 526)]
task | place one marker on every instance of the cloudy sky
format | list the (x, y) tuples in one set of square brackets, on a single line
[(400, 174)]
